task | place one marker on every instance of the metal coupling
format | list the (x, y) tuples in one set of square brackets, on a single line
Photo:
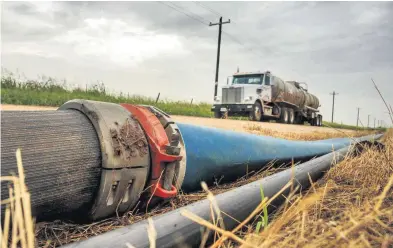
[(168, 155), (125, 156)]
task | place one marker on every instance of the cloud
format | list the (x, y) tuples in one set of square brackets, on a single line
[(150, 47), (119, 42)]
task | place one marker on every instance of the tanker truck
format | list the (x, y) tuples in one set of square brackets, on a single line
[(262, 96)]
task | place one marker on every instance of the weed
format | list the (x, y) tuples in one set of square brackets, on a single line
[(264, 218)]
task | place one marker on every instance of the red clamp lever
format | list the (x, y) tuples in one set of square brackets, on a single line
[(158, 142)]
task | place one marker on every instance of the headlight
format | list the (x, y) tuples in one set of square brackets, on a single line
[(247, 99)]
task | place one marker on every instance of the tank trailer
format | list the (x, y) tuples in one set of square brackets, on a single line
[(262, 96)]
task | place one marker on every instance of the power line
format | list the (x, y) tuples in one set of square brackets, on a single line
[(208, 9), (205, 22), (211, 10), (192, 13), (196, 19), (202, 21)]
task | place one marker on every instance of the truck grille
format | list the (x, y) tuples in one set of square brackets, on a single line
[(232, 95)]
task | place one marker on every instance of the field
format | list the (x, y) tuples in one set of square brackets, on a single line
[(48, 92), (294, 132), (351, 206)]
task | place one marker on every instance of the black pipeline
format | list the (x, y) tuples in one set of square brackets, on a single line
[(174, 230)]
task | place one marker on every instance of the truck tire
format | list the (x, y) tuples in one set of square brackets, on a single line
[(284, 115), (220, 115), (320, 120), (256, 114), (315, 121), (291, 116), (299, 119), (217, 114)]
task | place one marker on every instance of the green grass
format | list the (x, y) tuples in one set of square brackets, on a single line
[(48, 92), (264, 216), (350, 127)]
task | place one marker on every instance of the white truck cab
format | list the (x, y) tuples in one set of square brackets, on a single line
[(241, 92), (264, 96)]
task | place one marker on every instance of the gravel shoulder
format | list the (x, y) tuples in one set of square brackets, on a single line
[(234, 125)]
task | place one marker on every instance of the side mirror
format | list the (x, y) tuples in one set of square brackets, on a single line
[(229, 79)]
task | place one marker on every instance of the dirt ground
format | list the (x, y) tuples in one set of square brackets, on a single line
[(234, 125)]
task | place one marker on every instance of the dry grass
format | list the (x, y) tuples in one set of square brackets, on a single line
[(352, 206), (18, 228), (54, 234), (318, 135), (57, 233)]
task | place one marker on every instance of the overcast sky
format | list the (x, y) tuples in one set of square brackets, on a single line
[(147, 47)]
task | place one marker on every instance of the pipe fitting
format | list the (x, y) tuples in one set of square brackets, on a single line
[(125, 156), (168, 153), (177, 145)]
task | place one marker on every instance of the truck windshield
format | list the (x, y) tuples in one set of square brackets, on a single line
[(248, 79)]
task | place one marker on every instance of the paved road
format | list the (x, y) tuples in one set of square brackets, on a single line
[(235, 125)]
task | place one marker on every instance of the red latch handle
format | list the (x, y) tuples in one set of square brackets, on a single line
[(158, 141), (163, 193)]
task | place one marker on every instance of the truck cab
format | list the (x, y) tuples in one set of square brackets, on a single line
[(244, 95), (264, 96)]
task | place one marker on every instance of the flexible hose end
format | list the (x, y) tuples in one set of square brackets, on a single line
[(125, 156)]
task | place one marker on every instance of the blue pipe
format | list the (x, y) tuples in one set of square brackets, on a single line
[(217, 154)]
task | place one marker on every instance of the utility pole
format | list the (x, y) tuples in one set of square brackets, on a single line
[(218, 49), (368, 121), (357, 121), (374, 122), (334, 95)]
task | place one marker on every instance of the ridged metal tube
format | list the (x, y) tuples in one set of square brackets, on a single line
[(61, 158)]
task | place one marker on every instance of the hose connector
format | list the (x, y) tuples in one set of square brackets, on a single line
[(168, 156), (125, 156)]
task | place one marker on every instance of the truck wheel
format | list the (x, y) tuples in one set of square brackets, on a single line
[(224, 115), (299, 120), (320, 120), (314, 121), (217, 114), (256, 114), (291, 116), (284, 115)]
